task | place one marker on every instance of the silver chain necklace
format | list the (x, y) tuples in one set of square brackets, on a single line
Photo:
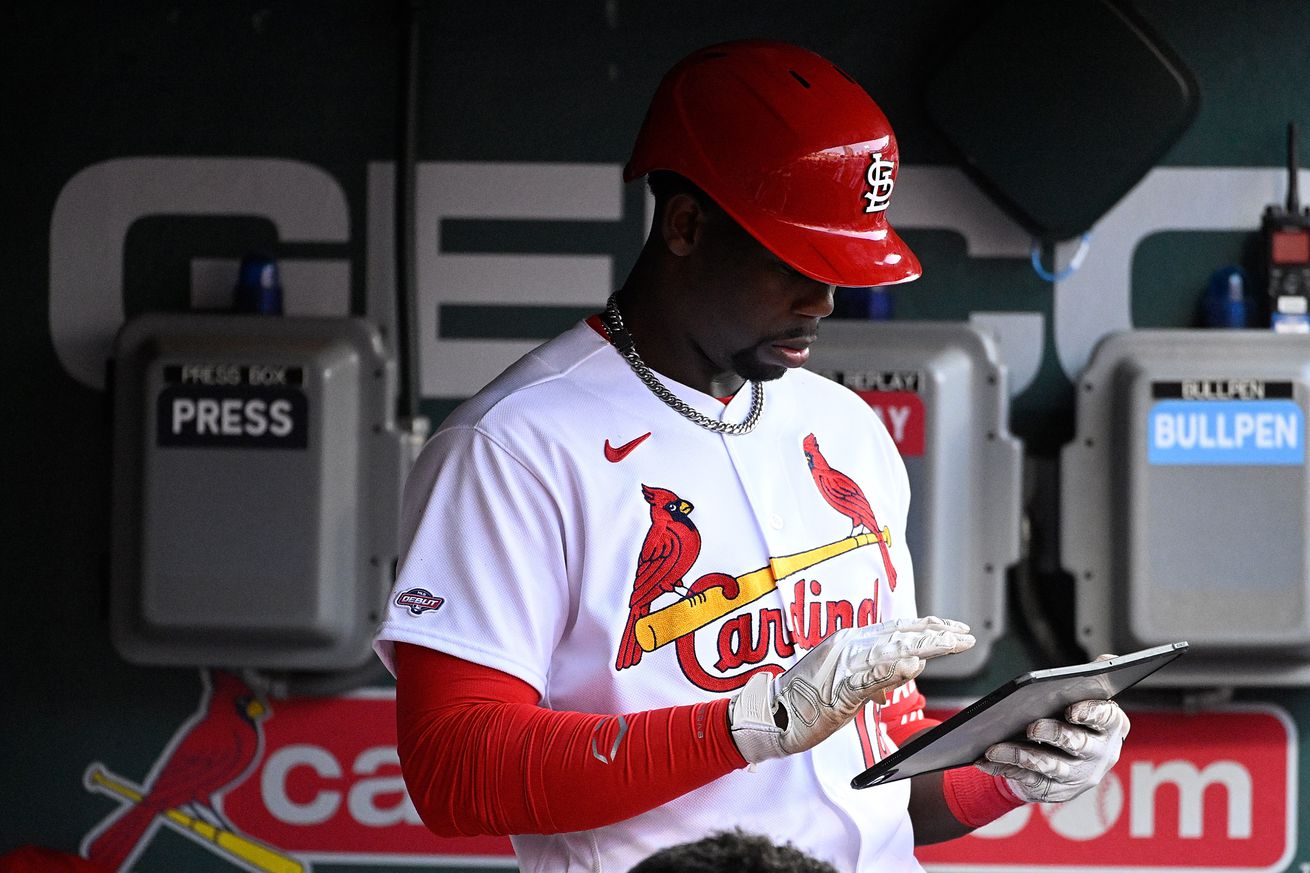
[(622, 341)]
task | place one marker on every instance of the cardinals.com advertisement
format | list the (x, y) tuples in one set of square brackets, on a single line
[(280, 786)]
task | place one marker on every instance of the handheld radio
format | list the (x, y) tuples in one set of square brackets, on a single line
[(1287, 254)]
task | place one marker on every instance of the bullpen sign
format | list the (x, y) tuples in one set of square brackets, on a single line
[(1191, 792)]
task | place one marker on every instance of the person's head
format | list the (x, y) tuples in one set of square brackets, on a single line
[(732, 852), (771, 171), (744, 310), (791, 148)]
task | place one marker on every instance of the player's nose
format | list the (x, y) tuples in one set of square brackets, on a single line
[(814, 300)]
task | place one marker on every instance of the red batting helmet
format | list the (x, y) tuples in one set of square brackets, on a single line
[(792, 148)]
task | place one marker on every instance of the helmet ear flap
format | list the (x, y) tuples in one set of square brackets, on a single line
[(791, 148)]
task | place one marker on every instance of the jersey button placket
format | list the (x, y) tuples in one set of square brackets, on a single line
[(768, 499)]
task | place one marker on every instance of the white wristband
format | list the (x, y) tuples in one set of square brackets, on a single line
[(757, 736)]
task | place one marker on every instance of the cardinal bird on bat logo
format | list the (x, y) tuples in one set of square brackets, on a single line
[(843, 495), (668, 552), (671, 546), (211, 753)]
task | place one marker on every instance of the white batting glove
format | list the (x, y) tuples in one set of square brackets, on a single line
[(775, 716), (1064, 758)]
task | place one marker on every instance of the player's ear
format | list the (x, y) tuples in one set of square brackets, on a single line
[(683, 223)]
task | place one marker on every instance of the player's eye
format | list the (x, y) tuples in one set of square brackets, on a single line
[(782, 267)]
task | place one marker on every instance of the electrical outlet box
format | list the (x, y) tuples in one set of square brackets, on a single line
[(256, 489)]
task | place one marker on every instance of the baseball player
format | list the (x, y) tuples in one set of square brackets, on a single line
[(656, 583)]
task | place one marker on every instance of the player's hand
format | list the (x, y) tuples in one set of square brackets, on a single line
[(776, 716), (1062, 759)]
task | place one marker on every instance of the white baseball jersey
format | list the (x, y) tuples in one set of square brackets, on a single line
[(525, 517)]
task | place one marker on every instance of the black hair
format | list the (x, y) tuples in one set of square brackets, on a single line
[(664, 184), (733, 851)]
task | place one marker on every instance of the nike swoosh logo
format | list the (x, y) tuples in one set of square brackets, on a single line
[(614, 455)]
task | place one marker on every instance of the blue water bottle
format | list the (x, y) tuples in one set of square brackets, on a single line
[(1225, 303), (258, 289)]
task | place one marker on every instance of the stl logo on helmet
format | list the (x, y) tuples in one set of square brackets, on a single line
[(879, 177)]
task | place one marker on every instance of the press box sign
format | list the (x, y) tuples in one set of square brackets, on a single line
[(226, 405), (1225, 422)]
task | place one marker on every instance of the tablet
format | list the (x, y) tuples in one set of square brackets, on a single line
[(1006, 712)]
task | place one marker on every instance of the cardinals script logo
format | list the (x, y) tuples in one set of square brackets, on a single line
[(211, 753)]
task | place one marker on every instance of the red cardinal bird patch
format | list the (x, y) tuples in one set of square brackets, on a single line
[(843, 495), (668, 552)]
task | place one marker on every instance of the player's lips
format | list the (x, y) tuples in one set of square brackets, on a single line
[(792, 352)]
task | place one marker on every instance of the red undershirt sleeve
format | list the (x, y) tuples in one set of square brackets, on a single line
[(480, 756), (903, 714)]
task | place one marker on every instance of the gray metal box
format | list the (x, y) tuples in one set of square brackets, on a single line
[(257, 473), (1184, 503), (941, 390)]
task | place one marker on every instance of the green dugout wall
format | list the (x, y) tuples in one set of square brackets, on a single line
[(127, 123)]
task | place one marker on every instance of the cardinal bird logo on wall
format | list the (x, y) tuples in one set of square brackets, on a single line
[(211, 753), (843, 495)]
